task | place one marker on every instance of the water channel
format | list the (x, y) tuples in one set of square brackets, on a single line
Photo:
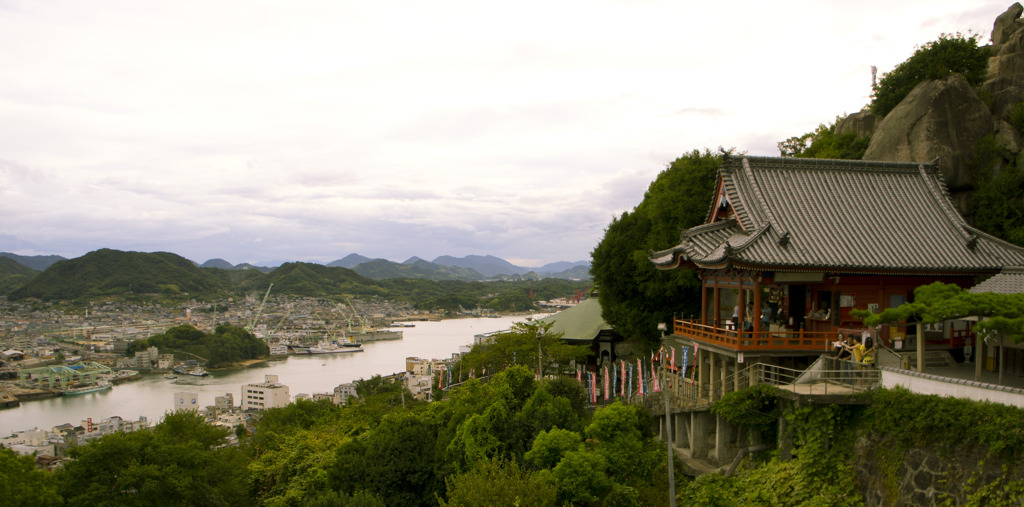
[(153, 394)]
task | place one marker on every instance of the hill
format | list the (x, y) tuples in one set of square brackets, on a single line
[(13, 274), (381, 269), (349, 261), (115, 273), (36, 262), (487, 265)]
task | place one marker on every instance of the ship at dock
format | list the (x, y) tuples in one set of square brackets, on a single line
[(331, 347), (95, 388)]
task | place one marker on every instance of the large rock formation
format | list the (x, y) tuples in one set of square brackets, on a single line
[(939, 119), (1005, 80)]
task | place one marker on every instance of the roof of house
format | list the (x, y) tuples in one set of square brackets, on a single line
[(793, 214), (1009, 281), (581, 322)]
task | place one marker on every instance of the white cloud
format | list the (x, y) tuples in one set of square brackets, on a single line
[(280, 130)]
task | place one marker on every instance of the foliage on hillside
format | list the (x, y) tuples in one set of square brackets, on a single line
[(228, 344), (13, 274), (380, 269), (824, 143), (950, 54), (518, 345), (107, 272), (635, 297), (163, 277), (484, 445), (997, 204)]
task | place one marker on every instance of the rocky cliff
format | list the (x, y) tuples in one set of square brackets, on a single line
[(949, 120)]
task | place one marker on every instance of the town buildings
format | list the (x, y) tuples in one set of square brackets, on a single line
[(268, 394)]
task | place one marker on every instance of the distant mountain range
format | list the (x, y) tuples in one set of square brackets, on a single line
[(445, 267), (112, 274)]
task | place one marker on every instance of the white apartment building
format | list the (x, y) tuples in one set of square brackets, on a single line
[(269, 394), (185, 401)]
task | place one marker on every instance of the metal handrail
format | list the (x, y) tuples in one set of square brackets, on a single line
[(826, 376)]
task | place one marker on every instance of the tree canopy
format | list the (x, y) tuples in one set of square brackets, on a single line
[(635, 296), (950, 54), (939, 301)]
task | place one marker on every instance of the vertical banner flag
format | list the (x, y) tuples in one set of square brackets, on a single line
[(579, 373), (673, 362), (654, 379), (639, 377), (593, 387), (686, 353), (630, 389), (606, 381), (622, 391), (695, 363)]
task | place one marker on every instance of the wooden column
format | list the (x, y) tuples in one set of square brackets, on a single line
[(757, 308)]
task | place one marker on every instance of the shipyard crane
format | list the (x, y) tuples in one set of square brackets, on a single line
[(252, 325)]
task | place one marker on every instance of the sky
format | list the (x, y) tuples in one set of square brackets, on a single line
[(271, 131)]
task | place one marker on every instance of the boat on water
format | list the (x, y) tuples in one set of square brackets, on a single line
[(299, 350), (180, 370), (198, 371), (330, 347), (170, 376), (367, 334), (278, 349), (95, 388)]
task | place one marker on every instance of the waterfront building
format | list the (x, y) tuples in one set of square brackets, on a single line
[(343, 392), (225, 403), (185, 401), (268, 394)]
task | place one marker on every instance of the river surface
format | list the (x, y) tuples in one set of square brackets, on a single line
[(153, 394)]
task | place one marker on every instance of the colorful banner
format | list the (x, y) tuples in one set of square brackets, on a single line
[(606, 380), (639, 377)]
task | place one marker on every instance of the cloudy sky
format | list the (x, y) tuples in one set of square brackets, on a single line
[(269, 131)]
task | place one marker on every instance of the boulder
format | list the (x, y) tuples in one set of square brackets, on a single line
[(1004, 92), (862, 123), (1007, 23), (940, 119)]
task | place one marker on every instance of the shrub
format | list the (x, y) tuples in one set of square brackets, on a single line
[(950, 54)]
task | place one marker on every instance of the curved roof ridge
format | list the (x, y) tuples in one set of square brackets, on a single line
[(755, 185), (936, 186), (818, 163)]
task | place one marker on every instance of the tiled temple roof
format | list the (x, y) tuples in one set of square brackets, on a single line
[(840, 215), (1009, 281)]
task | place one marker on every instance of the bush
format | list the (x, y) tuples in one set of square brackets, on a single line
[(950, 54)]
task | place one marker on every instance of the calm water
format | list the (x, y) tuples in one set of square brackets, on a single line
[(153, 395)]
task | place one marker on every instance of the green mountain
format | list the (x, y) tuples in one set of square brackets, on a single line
[(306, 279), (36, 262), (13, 274), (115, 273), (382, 269)]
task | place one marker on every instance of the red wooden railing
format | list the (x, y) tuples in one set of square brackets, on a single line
[(760, 340)]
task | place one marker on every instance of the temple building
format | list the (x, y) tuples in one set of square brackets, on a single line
[(791, 245)]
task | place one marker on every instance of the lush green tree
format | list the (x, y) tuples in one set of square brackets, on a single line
[(551, 446), (395, 461), (176, 463), (635, 296), (939, 301), (296, 471), (617, 433), (997, 204), (824, 143), (518, 346), (950, 54), (22, 485), (580, 477), (498, 483)]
